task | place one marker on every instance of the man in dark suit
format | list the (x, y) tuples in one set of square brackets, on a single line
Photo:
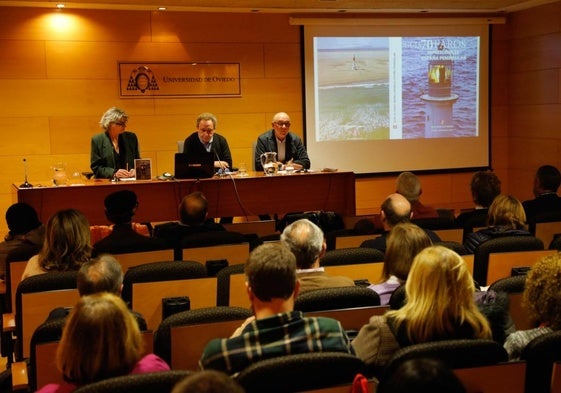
[(195, 229), (396, 209), (206, 141), (546, 201)]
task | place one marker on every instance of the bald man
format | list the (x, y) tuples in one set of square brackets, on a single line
[(395, 209), (288, 146)]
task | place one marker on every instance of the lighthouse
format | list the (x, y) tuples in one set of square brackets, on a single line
[(439, 101)]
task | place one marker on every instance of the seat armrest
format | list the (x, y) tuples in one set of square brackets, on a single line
[(19, 376), (8, 322)]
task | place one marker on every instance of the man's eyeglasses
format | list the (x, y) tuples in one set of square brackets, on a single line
[(207, 130), (120, 123), (282, 123)]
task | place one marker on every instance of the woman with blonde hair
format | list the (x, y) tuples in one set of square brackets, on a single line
[(542, 300), (405, 241), (101, 340), (66, 246), (440, 306), (506, 217)]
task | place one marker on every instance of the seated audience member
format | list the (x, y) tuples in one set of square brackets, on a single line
[(208, 381), (306, 241), (409, 185), (101, 274), (485, 186), (395, 209), (275, 329), (440, 305), (193, 215), (506, 218), (66, 247), (120, 207), (25, 237), (101, 340), (421, 376), (546, 202), (542, 300), (405, 241)]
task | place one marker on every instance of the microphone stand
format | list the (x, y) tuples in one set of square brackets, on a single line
[(25, 184)]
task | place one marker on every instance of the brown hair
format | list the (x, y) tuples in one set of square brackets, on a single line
[(100, 340), (67, 241), (404, 242)]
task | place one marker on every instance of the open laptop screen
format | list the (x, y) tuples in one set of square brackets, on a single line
[(194, 167)]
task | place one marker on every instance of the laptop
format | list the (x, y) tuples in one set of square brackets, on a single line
[(194, 167)]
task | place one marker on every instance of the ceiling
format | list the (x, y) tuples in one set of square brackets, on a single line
[(299, 6)]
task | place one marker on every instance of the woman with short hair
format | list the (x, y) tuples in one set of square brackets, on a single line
[(506, 217), (114, 150)]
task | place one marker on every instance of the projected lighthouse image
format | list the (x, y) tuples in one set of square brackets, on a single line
[(439, 119)]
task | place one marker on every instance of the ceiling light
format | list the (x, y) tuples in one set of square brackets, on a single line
[(60, 5)]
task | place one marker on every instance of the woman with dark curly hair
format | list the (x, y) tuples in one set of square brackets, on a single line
[(542, 300), (67, 244)]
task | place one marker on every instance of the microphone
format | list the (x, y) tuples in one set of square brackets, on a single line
[(25, 184), (223, 169)]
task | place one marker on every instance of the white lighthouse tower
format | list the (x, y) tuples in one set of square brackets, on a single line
[(440, 99)]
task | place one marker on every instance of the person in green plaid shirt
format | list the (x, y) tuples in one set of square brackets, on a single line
[(275, 329)]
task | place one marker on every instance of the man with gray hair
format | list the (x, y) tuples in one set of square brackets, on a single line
[(409, 185), (101, 274), (306, 241)]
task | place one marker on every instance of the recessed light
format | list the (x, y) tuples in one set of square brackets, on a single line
[(162, 8), (60, 5)]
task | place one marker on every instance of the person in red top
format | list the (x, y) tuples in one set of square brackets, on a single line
[(101, 340), (409, 185)]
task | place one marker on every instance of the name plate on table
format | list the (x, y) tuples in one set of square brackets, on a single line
[(166, 80)]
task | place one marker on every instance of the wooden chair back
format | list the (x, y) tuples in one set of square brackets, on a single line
[(546, 231), (501, 263), (352, 241), (45, 355), (147, 296), (260, 228), (450, 235), (556, 378), (502, 377), (16, 271), (369, 271), (518, 313), (129, 260), (351, 318), (188, 341), (36, 307), (234, 253), (468, 259)]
